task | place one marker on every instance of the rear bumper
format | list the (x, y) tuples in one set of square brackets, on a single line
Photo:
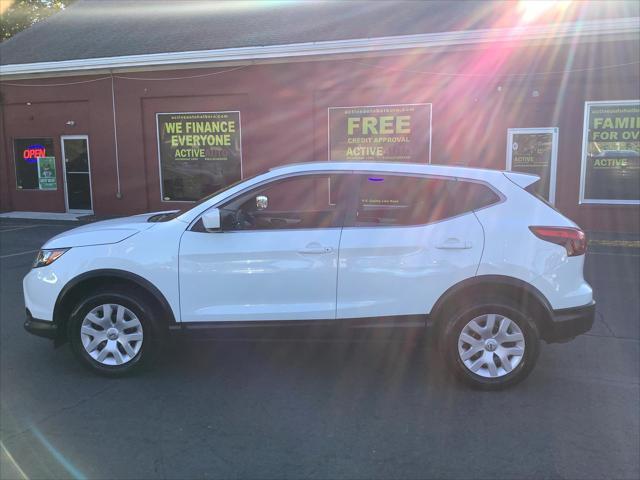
[(41, 328), (568, 323)]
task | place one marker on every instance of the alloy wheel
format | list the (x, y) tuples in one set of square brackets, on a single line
[(491, 345), (111, 334)]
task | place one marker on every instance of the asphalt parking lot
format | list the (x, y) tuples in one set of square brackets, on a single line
[(286, 408)]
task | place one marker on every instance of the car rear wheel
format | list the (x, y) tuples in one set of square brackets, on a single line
[(492, 345), (113, 331)]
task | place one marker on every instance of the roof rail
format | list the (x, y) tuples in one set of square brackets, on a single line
[(278, 167)]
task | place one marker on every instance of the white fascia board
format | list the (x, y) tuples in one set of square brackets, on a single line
[(553, 32)]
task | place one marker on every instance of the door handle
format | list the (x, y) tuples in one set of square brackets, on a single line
[(454, 244), (315, 249)]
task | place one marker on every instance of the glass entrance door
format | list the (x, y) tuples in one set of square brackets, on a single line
[(77, 173)]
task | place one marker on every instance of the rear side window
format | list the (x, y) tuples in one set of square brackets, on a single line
[(387, 200)]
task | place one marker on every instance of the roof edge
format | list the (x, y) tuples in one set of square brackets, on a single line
[(583, 30)]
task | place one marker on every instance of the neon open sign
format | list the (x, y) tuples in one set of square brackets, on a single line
[(33, 152)]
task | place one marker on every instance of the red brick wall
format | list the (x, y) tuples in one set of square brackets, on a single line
[(284, 116)]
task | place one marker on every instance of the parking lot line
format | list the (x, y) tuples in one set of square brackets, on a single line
[(616, 243), (9, 228), (17, 228), (19, 253), (614, 254)]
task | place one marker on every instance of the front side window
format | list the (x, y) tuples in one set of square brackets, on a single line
[(397, 200), (305, 201)]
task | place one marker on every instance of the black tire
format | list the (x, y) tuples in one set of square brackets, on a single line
[(131, 300), (461, 316)]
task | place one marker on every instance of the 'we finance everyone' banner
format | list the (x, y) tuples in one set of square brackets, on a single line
[(200, 152)]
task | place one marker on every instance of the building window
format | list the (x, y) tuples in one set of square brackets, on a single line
[(26, 152), (535, 151), (199, 153), (610, 171)]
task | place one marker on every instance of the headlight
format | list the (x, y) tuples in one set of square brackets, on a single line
[(47, 257)]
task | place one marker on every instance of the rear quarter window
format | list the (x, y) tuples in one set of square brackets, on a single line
[(533, 190), (467, 196)]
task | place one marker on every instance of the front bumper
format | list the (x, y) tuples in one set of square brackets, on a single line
[(41, 328), (568, 323)]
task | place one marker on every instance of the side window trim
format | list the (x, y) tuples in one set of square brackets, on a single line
[(351, 217), (351, 202)]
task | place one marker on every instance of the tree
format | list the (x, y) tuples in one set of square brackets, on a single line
[(16, 15)]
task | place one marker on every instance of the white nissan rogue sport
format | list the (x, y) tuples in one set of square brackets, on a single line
[(470, 253)]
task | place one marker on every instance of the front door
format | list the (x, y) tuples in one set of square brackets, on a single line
[(77, 173), (275, 257)]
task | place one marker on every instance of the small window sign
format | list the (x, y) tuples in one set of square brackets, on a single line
[(47, 173), (535, 151)]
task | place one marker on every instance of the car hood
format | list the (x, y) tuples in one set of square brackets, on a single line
[(102, 233)]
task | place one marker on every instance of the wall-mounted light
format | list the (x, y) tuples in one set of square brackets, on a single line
[(28, 104), (535, 93), (70, 123)]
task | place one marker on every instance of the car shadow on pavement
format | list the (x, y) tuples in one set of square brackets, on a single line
[(391, 359)]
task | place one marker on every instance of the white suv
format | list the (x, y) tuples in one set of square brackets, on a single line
[(469, 253)]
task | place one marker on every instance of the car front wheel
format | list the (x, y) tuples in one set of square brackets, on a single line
[(112, 332), (492, 345)]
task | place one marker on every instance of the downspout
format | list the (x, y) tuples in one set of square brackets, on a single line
[(7, 155), (115, 135)]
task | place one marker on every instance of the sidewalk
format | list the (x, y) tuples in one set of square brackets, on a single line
[(41, 216), (51, 216)]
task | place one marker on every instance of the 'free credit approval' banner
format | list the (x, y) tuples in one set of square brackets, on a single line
[(390, 133), (200, 152)]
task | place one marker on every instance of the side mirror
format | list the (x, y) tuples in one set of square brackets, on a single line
[(262, 202), (211, 220)]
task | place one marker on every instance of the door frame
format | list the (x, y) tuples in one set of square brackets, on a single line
[(554, 154), (64, 172)]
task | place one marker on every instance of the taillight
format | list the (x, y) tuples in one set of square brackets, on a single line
[(573, 239)]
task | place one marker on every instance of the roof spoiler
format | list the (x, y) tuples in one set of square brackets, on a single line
[(523, 180)]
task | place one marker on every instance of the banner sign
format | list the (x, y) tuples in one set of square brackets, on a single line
[(611, 163), (390, 133), (533, 153), (26, 152), (199, 153), (47, 173)]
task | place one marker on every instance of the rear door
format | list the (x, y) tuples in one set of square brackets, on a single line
[(409, 240)]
